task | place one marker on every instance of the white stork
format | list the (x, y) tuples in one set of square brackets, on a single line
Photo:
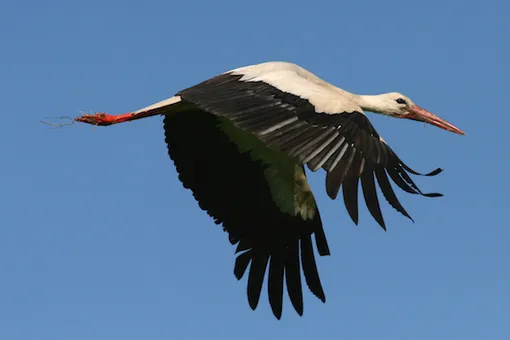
[(240, 141)]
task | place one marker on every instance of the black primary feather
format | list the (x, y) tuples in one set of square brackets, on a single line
[(232, 188)]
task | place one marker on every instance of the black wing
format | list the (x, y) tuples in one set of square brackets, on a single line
[(232, 188), (345, 144)]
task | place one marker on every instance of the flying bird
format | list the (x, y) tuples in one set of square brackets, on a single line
[(240, 142)]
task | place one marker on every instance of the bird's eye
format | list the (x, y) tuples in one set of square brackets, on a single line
[(401, 101)]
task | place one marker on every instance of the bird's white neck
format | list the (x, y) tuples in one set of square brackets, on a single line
[(374, 103)]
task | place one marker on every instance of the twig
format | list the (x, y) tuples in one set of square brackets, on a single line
[(59, 125)]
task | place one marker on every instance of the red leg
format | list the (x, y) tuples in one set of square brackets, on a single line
[(104, 119)]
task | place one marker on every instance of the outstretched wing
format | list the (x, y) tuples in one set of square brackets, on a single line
[(294, 112), (233, 189)]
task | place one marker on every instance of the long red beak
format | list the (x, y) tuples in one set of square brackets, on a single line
[(422, 115)]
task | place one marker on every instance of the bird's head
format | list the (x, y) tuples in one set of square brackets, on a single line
[(397, 105)]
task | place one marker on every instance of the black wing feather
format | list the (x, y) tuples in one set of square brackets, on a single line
[(264, 106), (350, 187), (293, 278), (233, 189), (242, 263), (388, 192), (310, 269), (336, 176), (370, 194), (256, 276), (275, 283)]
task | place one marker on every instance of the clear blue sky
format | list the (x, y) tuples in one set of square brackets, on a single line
[(98, 239)]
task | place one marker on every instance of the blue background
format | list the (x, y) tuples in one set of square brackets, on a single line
[(98, 239)]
